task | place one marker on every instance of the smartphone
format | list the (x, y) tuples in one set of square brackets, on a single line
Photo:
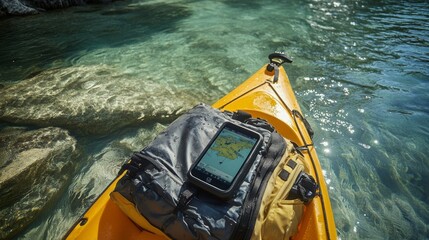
[(223, 164)]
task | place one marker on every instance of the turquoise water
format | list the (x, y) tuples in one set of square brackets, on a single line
[(114, 75)]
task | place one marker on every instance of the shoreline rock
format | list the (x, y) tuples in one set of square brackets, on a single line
[(31, 7), (15, 8)]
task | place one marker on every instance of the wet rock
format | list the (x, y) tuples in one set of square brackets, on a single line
[(28, 7), (34, 167), (15, 7), (91, 100)]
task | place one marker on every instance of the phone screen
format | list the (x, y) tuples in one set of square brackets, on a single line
[(226, 155)]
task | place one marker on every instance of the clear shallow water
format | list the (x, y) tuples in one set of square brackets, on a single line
[(360, 72)]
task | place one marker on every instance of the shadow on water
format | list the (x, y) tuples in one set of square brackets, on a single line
[(55, 38)]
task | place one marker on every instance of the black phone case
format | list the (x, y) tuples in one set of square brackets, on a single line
[(241, 174)]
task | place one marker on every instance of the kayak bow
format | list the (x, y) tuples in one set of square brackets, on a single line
[(267, 95)]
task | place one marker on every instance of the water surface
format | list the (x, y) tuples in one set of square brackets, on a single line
[(360, 72)]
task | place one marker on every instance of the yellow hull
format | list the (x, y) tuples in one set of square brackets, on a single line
[(262, 98)]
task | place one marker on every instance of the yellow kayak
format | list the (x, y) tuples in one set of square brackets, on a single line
[(267, 95)]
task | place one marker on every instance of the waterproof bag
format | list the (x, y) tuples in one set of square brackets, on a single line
[(156, 194)]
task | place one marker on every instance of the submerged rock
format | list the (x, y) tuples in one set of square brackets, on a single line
[(104, 165), (90, 100), (34, 167)]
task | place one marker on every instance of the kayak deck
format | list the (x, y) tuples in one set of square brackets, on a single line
[(276, 103), (262, 98)]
